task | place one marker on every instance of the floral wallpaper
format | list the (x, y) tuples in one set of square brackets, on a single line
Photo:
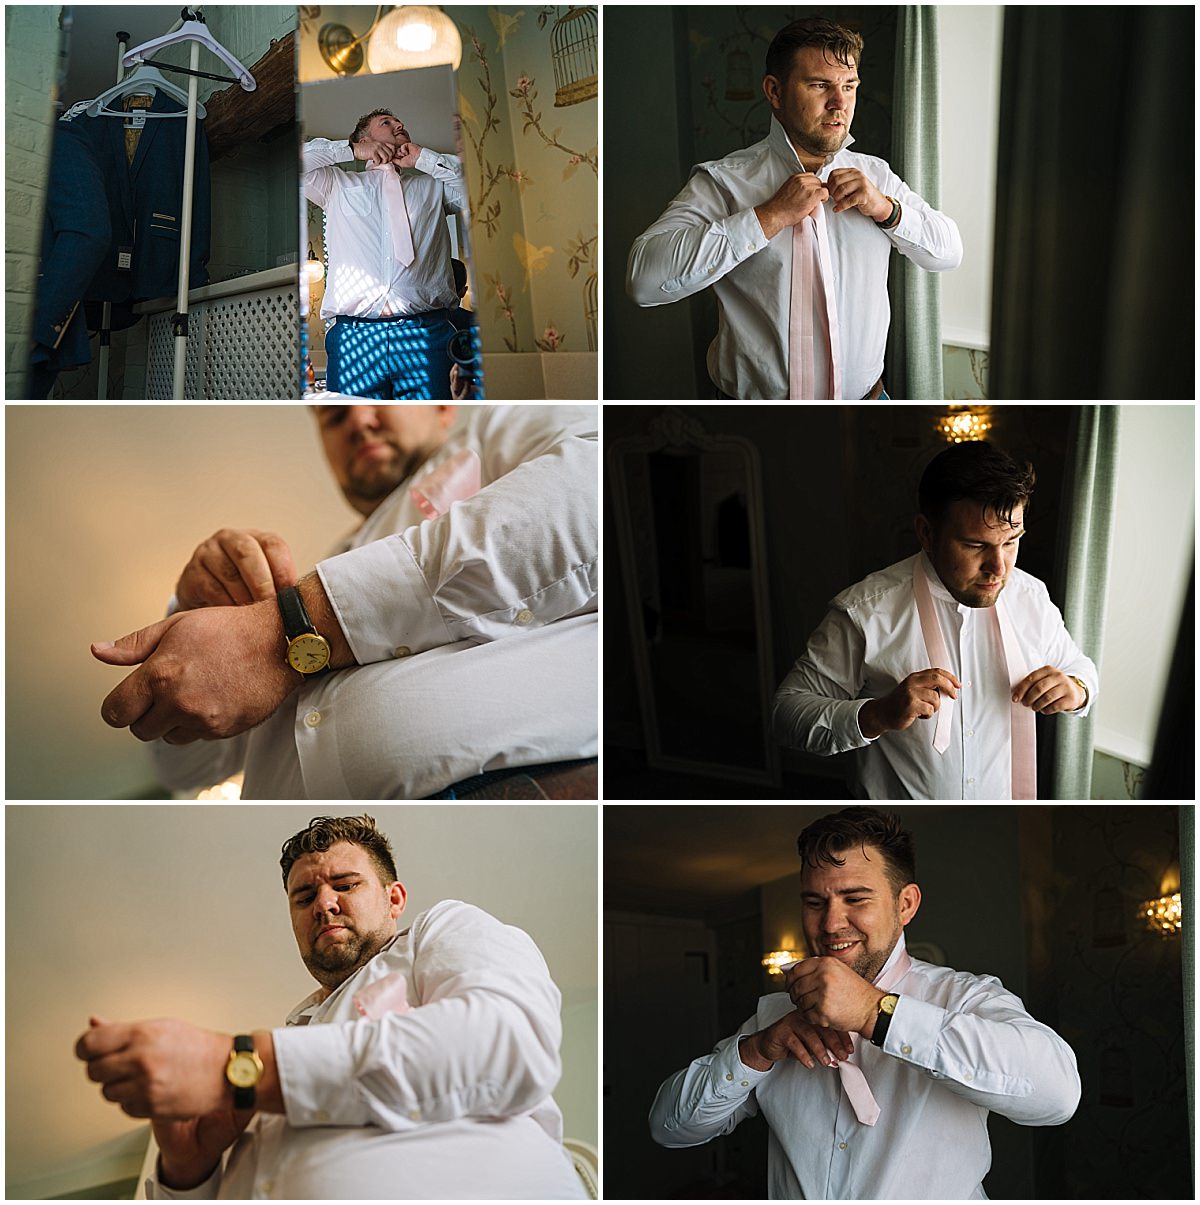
[(530, 145)]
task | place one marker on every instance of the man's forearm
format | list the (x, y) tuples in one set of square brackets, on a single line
[(324, 617)]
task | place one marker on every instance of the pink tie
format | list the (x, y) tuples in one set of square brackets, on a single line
[(811, 279), (454, 480), (393, 192), (854, 1083), (1022, 725)]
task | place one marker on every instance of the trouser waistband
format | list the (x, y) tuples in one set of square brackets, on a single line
[(424, 318)]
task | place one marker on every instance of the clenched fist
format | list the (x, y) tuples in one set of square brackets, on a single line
[(917, 697)]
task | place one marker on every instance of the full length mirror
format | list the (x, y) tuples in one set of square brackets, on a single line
[(390, 311)]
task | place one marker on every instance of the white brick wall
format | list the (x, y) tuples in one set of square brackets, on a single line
[(31, 50)]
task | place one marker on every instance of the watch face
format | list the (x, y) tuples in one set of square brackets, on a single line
[(243, 1070), (888, 1004), (308, 653)]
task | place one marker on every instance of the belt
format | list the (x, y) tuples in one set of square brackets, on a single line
[(424, 318)]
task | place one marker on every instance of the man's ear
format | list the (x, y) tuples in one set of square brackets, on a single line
[(908, 901), (772, 90), (397, 898), (924, 530)]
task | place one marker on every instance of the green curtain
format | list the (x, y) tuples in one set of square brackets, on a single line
[(914, 354), (1087, 521)]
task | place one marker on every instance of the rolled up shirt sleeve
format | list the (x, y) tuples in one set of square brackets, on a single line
[(816, 706), (521, 553), (707, 1098), (482, 1043), (989, 1051), (695, 242)]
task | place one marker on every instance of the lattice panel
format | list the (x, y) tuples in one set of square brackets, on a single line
[(245, 347)]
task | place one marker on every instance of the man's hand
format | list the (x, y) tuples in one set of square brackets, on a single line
[(1048, 691), (370, 151), (795, 1038), (236, 566), (203, 675), (163, 1069), (828, 994), (850, 189), (190, 1150), (407, 154), (917, 697), (796, 200)]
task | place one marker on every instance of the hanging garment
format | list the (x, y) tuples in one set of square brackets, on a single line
[(140, 213)]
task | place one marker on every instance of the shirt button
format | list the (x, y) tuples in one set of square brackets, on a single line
[(402, 651), (745, 1083), (729, 1075), (266, 1186), (312, 719), (524, 616), (967, 682), (970, 731), (415, 1115), (841, 1146), (906, 1050), (968, 1077), (970, 782), (322, 1115)]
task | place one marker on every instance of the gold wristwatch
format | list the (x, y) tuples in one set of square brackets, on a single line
[(1082, 686), (307, 651), (243, 1071), (883, 1018)]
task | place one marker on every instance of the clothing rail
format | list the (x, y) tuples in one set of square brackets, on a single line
[(192, 29)]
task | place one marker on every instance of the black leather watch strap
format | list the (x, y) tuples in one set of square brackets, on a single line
[(243, 1098), (294, 613), (879, 1033)]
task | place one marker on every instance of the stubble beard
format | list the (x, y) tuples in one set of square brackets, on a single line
[(972, 597), (815, 141), (336, 962), (375, 481)]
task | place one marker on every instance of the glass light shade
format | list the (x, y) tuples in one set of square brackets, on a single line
[(314, 270), (414, 35), (777, 959), (963, 424), (1164, 915)]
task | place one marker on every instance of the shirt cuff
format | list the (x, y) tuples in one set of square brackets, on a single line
[(156, 1190), (316, 1078), (861, 741), (745, 233), (382, 601), (731, 1079)]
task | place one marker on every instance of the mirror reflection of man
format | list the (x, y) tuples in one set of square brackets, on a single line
[(421, 1068), (872, 669), (458, 641), (875, 1072), (390, 285), (794, 235)]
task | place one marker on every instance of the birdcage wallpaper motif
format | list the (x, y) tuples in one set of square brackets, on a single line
[(589, 310), (574, 46)]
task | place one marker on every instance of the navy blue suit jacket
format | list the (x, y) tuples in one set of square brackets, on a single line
[(141, 209)]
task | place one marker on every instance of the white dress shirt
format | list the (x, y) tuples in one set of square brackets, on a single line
[(870, 640), (475, 633), (710, 236), (364, 278), (449, 1100), (958, 1047)]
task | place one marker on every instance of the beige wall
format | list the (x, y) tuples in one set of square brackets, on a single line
[(178, 910), (104, 507)]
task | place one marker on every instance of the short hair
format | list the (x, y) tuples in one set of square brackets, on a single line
[(980, 472), (365, 120), (830, 38), (325, 831), (824, 839)]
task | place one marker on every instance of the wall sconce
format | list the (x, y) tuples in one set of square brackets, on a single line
[(231, 788), (314, 269), (962, 424), (1164, 915), (409, 35), (777, 959)]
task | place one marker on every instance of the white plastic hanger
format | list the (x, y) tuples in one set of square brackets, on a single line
[(193, 31), (141, 82)]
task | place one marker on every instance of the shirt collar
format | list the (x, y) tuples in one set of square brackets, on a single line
[(935, 583), (781, 144), (893, 957)]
